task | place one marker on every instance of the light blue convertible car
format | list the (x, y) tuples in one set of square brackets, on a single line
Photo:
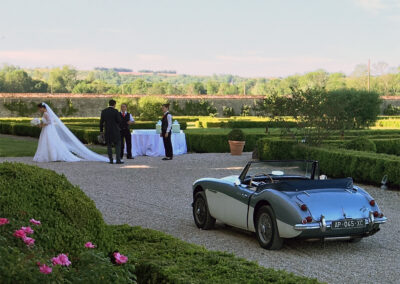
[(286, 199)]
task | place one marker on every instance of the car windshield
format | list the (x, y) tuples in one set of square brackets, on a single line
[(278, 169)]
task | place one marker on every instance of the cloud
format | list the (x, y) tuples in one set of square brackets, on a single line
[(376, 6), (372, 5)]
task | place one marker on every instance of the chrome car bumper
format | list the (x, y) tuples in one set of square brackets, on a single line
[(323, 225)]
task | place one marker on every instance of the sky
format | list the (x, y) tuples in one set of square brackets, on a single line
[(249, 38)]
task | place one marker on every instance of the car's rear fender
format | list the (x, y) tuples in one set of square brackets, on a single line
[(287, 212)]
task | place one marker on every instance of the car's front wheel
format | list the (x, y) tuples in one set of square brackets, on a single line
[(201, 214), (266, 229)]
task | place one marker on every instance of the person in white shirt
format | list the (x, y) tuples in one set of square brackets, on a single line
[(126, 121), (166, 127)]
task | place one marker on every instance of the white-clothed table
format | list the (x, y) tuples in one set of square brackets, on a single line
[(146, 142)]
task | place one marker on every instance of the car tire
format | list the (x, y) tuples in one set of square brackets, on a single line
[(266, 229), (201, 214)]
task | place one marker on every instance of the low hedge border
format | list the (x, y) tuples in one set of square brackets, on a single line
[(198, 143), (88, 135), (69, 219), (248, 124), (364, 167), (217, 143)]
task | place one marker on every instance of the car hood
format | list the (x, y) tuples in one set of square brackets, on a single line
[(335, 204)]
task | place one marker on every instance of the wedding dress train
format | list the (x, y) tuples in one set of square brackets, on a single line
[(58, 143)]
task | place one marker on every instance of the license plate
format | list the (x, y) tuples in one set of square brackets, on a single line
[(348, 224)]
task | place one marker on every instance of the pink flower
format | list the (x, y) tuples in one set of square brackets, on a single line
[(28, 241), (3, 221), (45, 269), (20, 234), (35, 222), (89, 245), (27, 230), (120, 258), (61, 259)]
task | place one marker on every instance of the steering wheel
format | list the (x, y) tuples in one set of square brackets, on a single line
[(264, 174)]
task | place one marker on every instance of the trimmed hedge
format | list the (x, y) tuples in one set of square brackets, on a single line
[(165, 259), (87, 133), (362, 166), (389, 123), (69, 219), (388, 146), (247, 124), (361, 144), (217, 143), (275, 149)]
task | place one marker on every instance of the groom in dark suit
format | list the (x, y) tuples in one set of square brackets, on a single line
[(112, 119)]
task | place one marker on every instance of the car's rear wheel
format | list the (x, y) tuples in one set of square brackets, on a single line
[(201, 214), (266, 229)]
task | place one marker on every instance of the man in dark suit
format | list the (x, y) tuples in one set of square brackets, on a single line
[(112, 119), (166, 127), (126, 121)]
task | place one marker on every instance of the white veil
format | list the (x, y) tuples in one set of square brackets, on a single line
[(71, 142)]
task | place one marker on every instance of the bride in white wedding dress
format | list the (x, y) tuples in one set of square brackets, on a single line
[(57, 143)]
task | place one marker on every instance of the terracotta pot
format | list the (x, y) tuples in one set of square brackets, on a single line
[(236, 147)]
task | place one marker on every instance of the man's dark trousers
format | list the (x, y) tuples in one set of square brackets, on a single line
[(126, 135), (117, 149), (168, 145)]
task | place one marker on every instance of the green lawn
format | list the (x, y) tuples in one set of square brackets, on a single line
[(20, 147)]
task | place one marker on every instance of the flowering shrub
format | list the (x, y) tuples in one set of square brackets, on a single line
[(62, 260), (70, 219), (89, 245), (119, 258)]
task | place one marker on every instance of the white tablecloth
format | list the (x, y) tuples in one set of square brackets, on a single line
[(149, 143)]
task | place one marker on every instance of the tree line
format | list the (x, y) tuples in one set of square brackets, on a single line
[(66, 79)]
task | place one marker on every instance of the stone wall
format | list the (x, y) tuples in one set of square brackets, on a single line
[(390, 100), (90, 105)]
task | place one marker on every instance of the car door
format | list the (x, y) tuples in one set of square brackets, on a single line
[(229, 204)]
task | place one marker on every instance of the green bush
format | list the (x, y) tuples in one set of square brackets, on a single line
[(69, 219), (217, 142), (165, 259), (275, 149), (150, 107), (388, 146), (364, 167), (227, 111), (361, 144), (391, 110), (236, 135), (86, 133)]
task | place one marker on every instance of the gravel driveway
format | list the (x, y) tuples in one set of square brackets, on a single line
[(157, 194)]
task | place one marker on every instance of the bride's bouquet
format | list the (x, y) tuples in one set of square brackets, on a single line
[(35, 122)]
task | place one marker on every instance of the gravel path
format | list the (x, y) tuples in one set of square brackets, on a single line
[(137, 194)]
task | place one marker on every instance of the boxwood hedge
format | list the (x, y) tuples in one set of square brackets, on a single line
[(362, 166), (69, 219)]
